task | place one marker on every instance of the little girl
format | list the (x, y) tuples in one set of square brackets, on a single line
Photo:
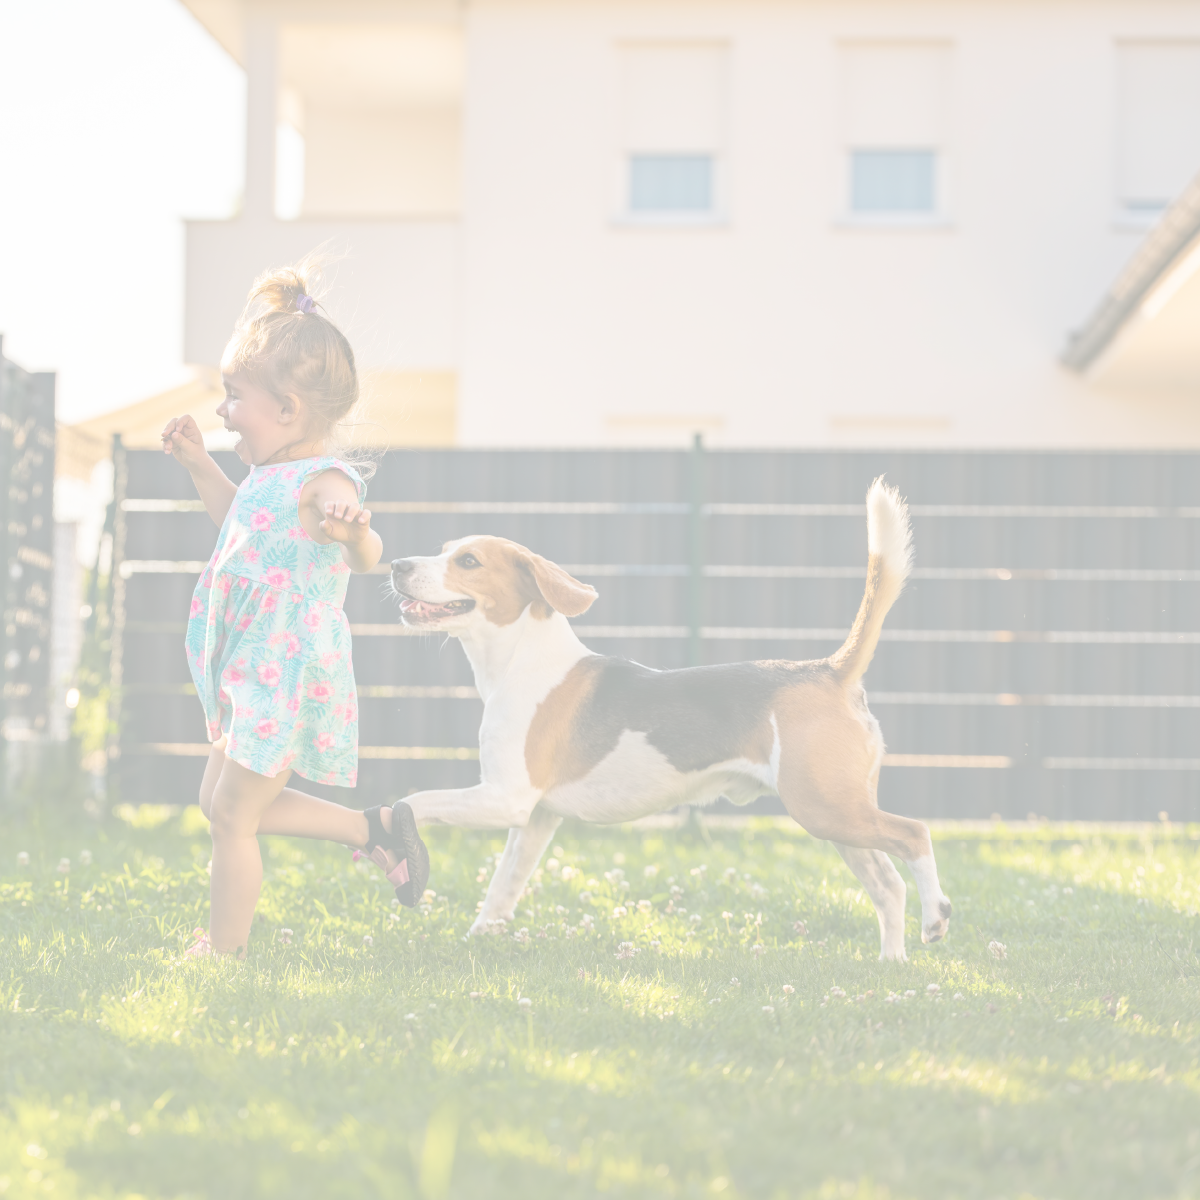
[(267, 641)]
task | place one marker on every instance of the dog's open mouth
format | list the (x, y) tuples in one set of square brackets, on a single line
[(417, 612)]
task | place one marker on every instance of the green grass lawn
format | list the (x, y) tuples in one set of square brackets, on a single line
[(377, 1052)]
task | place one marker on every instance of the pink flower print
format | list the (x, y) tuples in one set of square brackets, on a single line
[(197, 606), (321, 692), (269, 673), (324, 741), (296, 493), (224, 582), (244, 623), (285, 762), (294, 703), (250, 555), (233, 676), (279, 576), (206, 579), (290, 473), (298, 534), (339, 568), (243, 583), (329, 658), (312, 619), (276, 638), (353, 777), (293, 646), (243, 713), (267, 727), (350, 713), (214, 730), (296, 597), (261, 521), (269, 601)]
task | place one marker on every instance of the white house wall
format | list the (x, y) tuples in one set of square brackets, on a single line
[(784, 322)]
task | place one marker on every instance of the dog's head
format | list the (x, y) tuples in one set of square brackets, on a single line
[(478, 580)]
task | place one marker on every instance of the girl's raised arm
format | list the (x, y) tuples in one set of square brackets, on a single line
[(182, 438)]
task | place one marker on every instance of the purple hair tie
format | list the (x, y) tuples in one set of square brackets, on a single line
[(305, 304)]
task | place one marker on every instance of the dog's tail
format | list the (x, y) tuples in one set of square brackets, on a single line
[(889, 560)]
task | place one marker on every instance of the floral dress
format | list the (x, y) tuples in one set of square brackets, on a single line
[(267, 641)]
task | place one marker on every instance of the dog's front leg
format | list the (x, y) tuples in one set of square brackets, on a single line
[(522, 853), (484, 806)]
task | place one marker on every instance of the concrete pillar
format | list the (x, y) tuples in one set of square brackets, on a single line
[(262, 92)]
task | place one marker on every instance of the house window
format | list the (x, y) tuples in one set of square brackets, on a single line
[(894, 120), (1158, 124), (896, 181), (672, 131), (667, 183)]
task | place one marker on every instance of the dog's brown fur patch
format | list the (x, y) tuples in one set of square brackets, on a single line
[(554, 752), (510, 579)]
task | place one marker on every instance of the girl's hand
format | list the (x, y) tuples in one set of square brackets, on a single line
[(346, 523), (183, 439)]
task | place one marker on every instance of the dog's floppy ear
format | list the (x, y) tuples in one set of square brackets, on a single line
[(562, 592)]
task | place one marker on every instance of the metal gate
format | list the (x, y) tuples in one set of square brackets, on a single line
[(1045, 657)]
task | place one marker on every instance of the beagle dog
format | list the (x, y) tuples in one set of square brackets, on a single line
[(567, 732)]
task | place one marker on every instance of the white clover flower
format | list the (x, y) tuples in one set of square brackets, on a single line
[(368, 940), (525, 1002), (23, 858), (958, 995), (620, 911), (626, 950), (758, 948), (837, 991), (788, 989), (650, 872), (909, 994), (768, 1008), (429, 895), (800, 928), (285, 936), (567, 874), (998, 949), (726, 916), (695, 918), (585, 897), (64, 865), (644, 906), (85, 858), (656, 945), (521, 936), (410, 1016), (552, 864), (474, 995), (735, 982), (932, 988)]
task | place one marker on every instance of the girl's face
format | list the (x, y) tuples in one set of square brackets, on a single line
[(266, 423)]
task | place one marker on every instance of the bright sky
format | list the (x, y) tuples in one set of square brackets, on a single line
[(117, 121)]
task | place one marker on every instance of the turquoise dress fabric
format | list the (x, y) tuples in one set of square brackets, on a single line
[(268, 642)]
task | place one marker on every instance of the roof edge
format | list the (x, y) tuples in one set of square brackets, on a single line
[(1164, 246)]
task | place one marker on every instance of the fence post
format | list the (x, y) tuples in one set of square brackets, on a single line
[(695, 550), (116, 617)]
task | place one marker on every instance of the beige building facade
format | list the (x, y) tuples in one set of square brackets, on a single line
[(774, 222)]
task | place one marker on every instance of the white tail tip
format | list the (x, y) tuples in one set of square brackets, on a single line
[(889, 534)]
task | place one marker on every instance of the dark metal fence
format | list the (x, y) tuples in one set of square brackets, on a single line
[(26, 549), (1044, 659)]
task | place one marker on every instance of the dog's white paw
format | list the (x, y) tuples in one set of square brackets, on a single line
[(893, 955), (491, 925), (937, 929)]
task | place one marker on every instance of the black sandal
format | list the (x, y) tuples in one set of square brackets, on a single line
[(411, 874)]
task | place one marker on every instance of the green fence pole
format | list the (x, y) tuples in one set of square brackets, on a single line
[(696, 550)]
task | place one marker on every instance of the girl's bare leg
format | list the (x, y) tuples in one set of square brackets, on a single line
[(297, 814)]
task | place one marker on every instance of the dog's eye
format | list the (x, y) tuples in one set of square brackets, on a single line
[(469, 561)]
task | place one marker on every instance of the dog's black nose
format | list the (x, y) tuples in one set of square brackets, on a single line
[(403, 566)]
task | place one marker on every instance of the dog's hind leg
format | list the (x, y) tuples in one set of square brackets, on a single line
[(877, 873), (524, 848), (910, 841)]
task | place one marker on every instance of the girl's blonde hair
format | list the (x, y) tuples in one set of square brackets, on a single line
[(286, 345)]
